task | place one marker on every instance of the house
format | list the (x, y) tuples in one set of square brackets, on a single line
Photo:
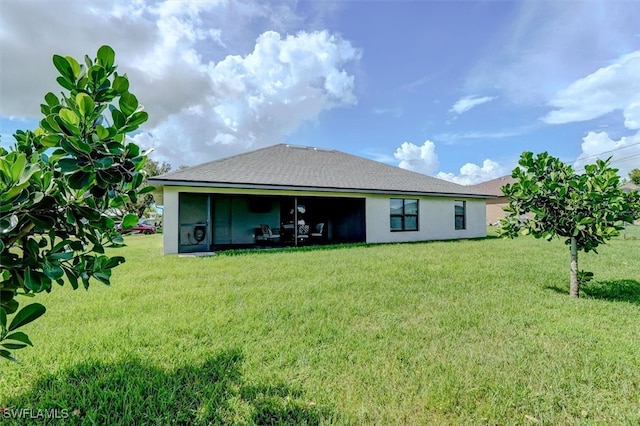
[(630, 186), (296, 195), (495, 205)]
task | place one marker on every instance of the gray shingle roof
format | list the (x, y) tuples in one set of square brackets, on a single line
[(297, 167), (630, 186), (494, 186)]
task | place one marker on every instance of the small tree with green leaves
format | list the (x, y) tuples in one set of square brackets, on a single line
[(56, 184), (549, 199), (634, 175)]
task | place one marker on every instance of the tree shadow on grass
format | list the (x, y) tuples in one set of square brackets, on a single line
[(612, 290), (615, 290), (133, 392)]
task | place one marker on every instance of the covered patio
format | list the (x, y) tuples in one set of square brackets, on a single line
[(213, 221)]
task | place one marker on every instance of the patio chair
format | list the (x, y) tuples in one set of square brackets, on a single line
[(265, 233), (319, 231)]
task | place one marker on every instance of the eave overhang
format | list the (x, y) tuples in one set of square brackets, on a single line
[(235, 185)]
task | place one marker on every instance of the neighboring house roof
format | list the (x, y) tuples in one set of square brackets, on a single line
[(630, 186), (494, 186), (299, 167)]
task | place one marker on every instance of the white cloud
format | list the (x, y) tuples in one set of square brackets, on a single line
[(421, 159), (624, 153), (162, 48), (259, 99), (395, 112), (282, 83), (468, 102), (632, 115), (611, 88), (471, 173), (452, 138), (214, 77), (540, 59), (550, 43), (424, 159), (615, 87)]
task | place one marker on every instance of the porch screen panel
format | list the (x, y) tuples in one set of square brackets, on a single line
[(221, 220), (195, 234)]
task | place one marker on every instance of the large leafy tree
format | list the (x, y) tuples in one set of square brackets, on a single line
[(56, 184), (550, 199)]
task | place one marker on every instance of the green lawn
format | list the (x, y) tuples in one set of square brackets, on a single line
[(461, 332)]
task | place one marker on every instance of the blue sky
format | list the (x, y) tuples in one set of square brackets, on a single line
[(453, 89)]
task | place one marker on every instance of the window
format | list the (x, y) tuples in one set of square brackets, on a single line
[(403, 214), (460, 208)]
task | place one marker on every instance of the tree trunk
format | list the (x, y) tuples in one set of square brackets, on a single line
[(574, 284)]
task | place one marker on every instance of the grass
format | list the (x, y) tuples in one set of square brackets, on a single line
[(458, 332)]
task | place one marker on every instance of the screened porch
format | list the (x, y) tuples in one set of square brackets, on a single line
[(211, 222)]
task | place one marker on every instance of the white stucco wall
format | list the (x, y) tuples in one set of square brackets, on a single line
[(435, 220), (170, 222)]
